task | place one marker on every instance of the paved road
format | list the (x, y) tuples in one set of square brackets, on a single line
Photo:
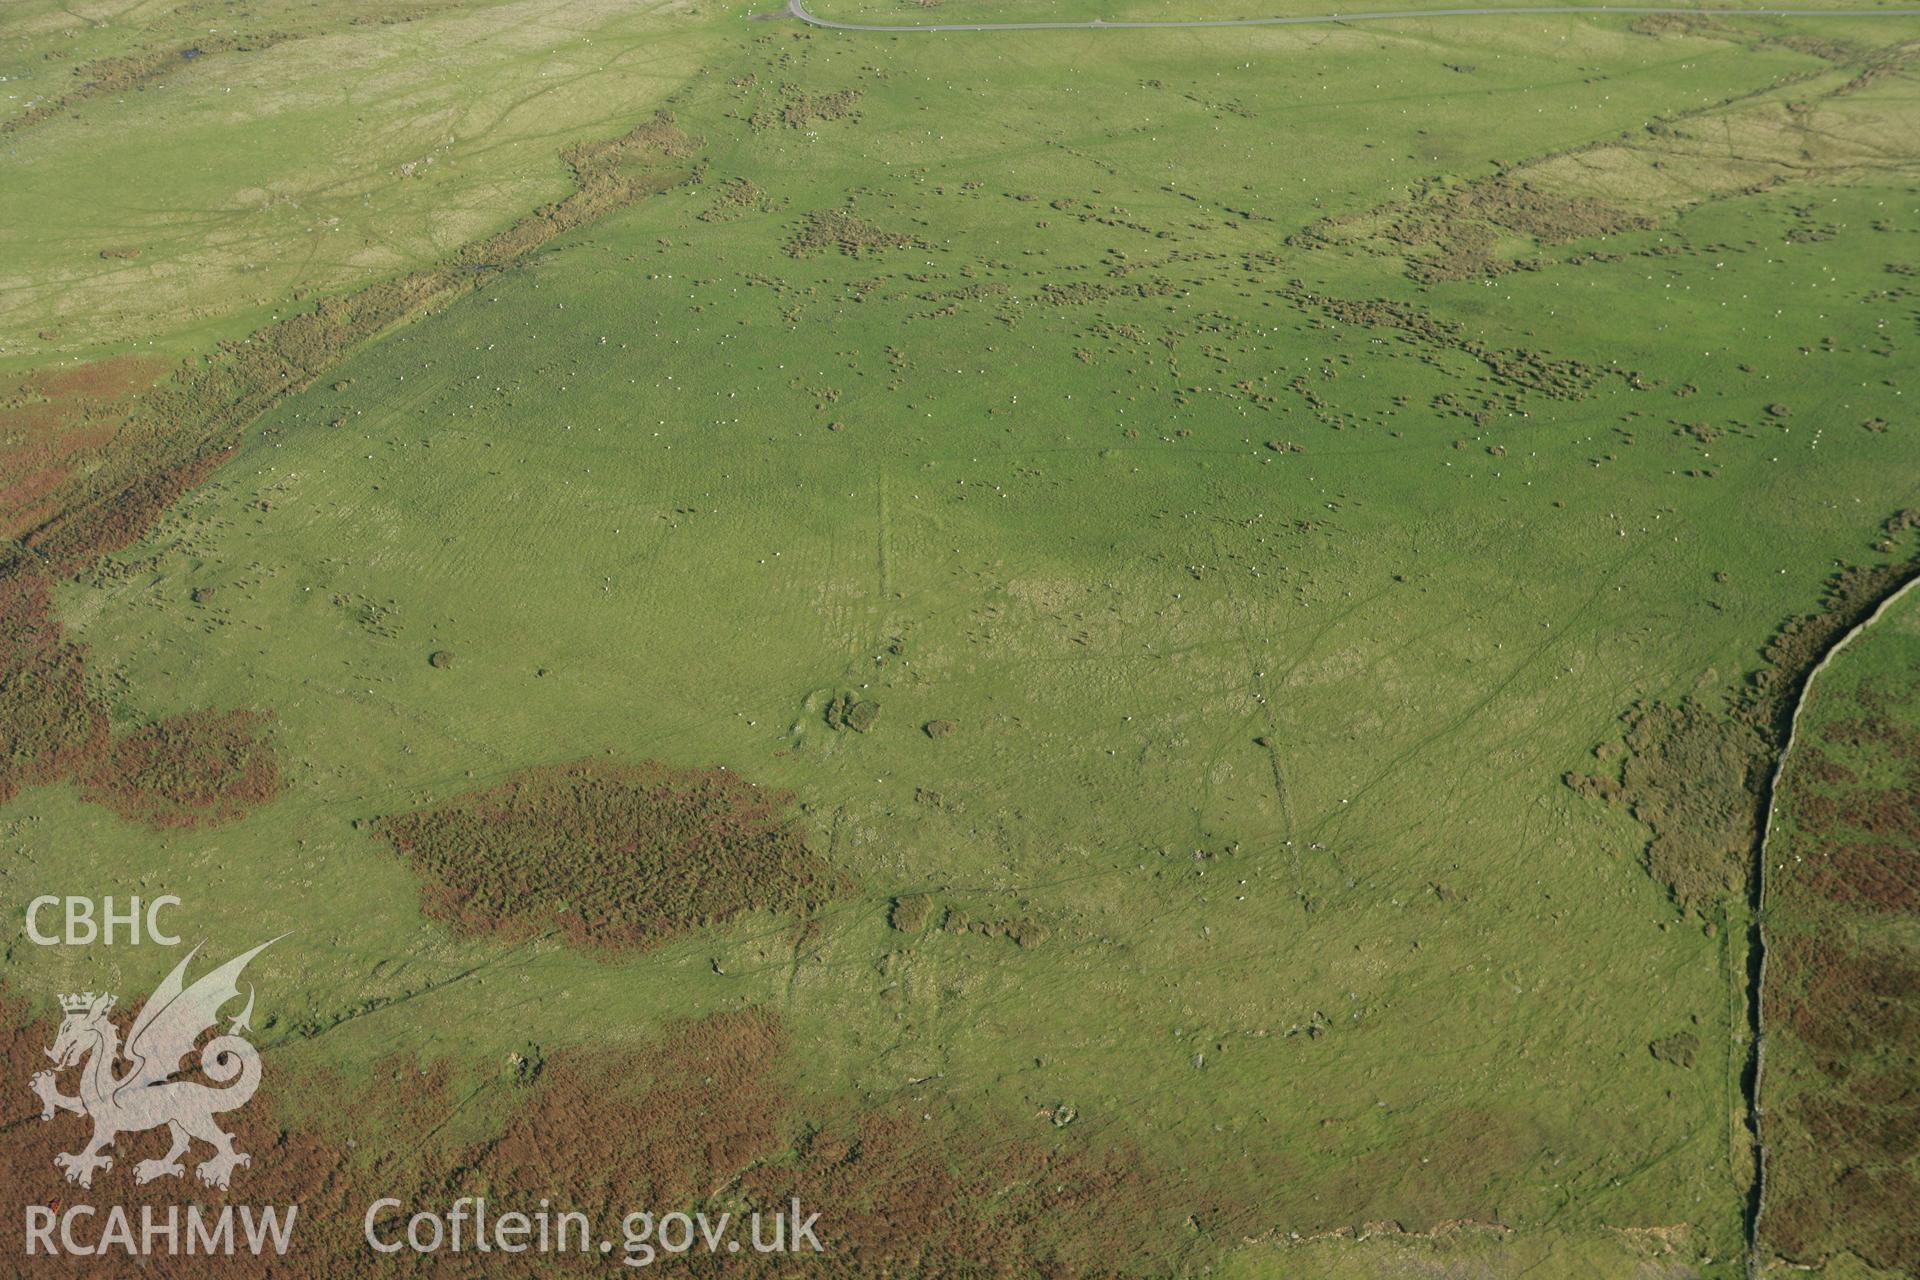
[(799, 10)]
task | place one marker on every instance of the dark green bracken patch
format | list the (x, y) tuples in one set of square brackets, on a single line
[(1695, 779), (612, 855)]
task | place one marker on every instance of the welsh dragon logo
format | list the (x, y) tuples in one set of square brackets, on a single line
[(147, 1095)]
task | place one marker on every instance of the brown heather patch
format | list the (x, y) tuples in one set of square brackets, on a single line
[(1842, 986), (906, 1190), (669, 1126), (1522, 209), (51, 420), (1858, 824), (194, 770), (1660, 24), (50, 724), (613, 855), (1878, 877), (289, 1167), (1843, 1131), (703, 1119), (110, 379), (601, 1131), (699, 1118), (1879, 1123), (1859, 1209)]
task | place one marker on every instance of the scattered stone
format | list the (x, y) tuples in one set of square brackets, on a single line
[(841, 230), (1679, 1048), (1026, 933), (800, 110), (910, 912), (1593, 787), (848, 712)]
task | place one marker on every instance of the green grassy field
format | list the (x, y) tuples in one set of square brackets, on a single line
[(934, 13), (210, 198), (1006, 394)]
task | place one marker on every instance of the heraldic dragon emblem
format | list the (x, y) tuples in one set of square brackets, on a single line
[(149, 1094)]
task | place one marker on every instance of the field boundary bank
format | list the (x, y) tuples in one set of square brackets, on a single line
[(798, 9), (1758, 1202)]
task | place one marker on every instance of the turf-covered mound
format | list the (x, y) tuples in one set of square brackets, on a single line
[(613, 855), (194, 770)]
